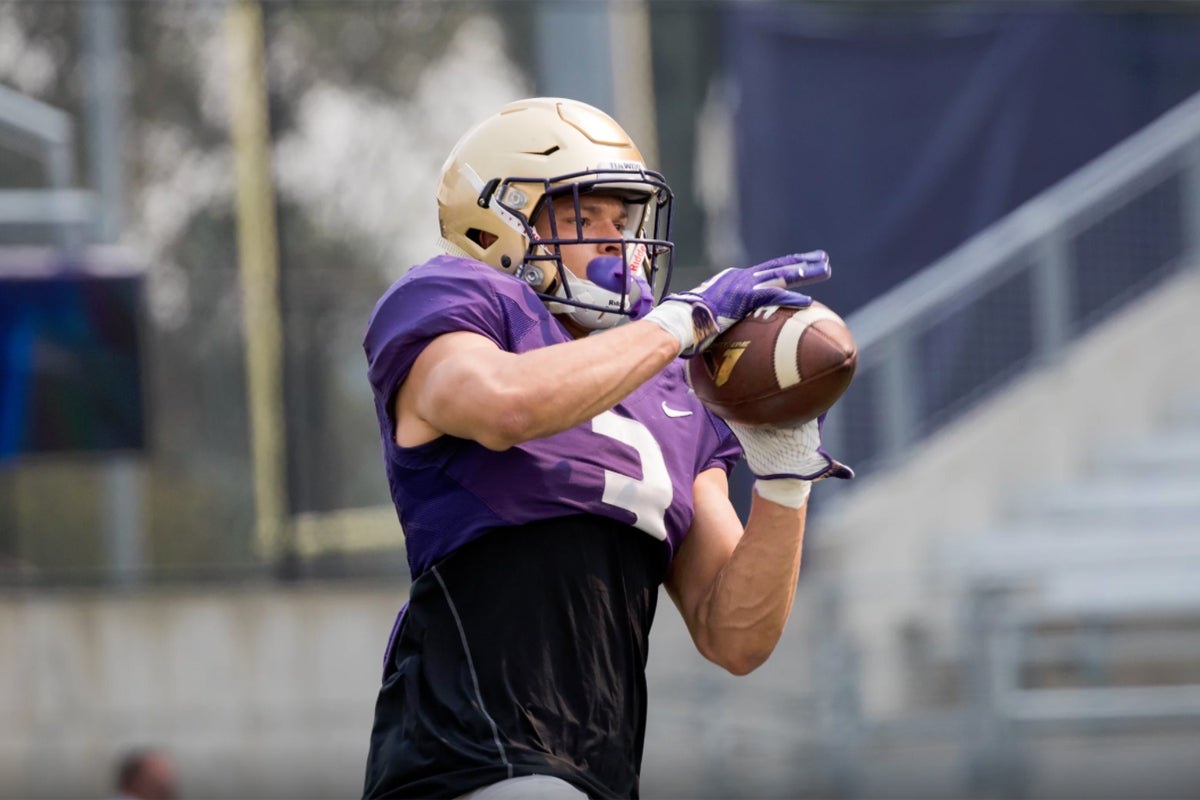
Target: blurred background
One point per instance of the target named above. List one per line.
(200, 203)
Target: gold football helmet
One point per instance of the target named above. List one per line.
(505, 172)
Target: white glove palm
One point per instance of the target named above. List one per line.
(785, 459)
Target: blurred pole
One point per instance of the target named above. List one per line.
(123, 488)
(896, 401)
(610, 67)
(258, 259)
(838, 717)
(574, 55)
(633, 75)
(1191, 203)
(1051, 297)
(105, 89)
(122, 503)
(695, 155)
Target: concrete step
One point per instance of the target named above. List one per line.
(1140, 504)
(1168, 590)
(1174, 453)
(1018, 528)
(1016, 551)
(1183, 414)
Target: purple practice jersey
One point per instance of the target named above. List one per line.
(634, 463)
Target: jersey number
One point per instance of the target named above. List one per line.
(648, 498)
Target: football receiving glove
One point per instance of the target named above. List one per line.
(698, 316)
(787, 459)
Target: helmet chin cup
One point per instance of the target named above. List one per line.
(593, 320)
(601, 297)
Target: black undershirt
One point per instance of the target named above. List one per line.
(523, 652)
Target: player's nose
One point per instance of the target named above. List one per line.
(612, 244)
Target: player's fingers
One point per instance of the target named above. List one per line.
(708, 283)
(812, 270)
(793, 274)
(792, 258)
(796, 268)
(771, 296)
(839, 470)
(776, 263)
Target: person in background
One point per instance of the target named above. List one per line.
(146, 774)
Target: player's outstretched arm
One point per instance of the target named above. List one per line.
(734, 587)
(462, 384)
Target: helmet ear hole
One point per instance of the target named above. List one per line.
(481, 237)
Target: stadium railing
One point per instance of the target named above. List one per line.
(1014, 295)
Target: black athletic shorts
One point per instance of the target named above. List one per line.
(522, 653)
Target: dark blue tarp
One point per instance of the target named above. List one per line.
(70, 365)
(888, 139)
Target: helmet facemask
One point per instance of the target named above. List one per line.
(619, 285)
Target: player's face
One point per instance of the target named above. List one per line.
(599, 217)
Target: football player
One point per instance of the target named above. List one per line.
(550, 469)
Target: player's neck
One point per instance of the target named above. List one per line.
(572, 327)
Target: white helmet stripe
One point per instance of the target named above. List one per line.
(505, 216)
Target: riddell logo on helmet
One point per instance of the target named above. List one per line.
(637, 258)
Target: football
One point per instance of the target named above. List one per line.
(777, 366)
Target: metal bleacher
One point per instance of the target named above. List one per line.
(1082, 610)
(1018, 293)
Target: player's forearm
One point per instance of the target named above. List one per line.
(749, 602)
(551, 389)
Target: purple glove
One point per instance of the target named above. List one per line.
(698, 316)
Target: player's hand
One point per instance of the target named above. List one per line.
(698, 316)
(786, 459)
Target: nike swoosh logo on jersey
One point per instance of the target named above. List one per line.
(671, 412)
